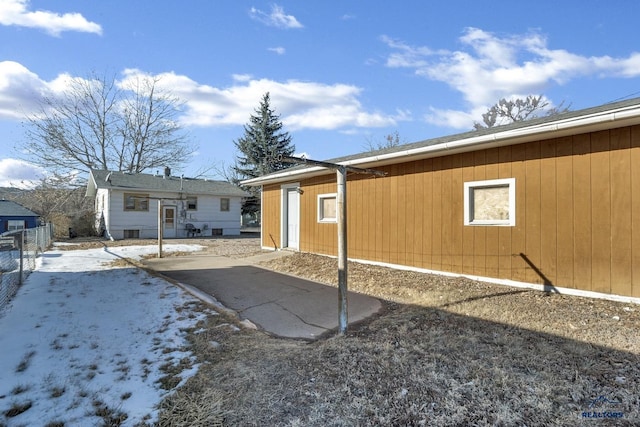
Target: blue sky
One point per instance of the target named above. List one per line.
(342, 74)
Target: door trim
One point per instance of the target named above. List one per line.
(172, 232)
(284, 215)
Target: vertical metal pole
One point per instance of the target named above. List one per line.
(160, 228)
(341, 216)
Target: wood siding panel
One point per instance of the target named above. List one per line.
(355, 238)
(457, 213)
(548, 212)
(427, 215)
(436, 226)
(392, 223)
(532, 207)
(417, 219)
(565, 213)
(620, 160)
(409, 214)
(401, 214)
(492, 246)
(377, 228)
(479, 232)
(635, 211)
(518, 237)
(271, 216)
(600, 213)
(386, 219)
(447, 212)
(468, 232)
(582, 211)
(504, 233)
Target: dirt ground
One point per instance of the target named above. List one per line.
(444, 351)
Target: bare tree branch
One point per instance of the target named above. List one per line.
(517, 110)
(96, 124)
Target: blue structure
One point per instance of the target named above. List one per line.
(14, 216)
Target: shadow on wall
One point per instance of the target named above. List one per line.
(549, 287)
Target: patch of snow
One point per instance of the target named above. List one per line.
(80, 331)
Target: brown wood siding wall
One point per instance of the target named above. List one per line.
(577, 214)
(271, 206)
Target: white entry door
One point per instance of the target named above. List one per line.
(292, 221)
(169, 222)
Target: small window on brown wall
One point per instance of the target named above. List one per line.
(327, 208)
(224, 205)
(490, 202)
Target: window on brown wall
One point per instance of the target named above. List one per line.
(327, 208)
(136, 202)
(490, 202)
(224, 204)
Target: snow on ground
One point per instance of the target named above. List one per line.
(82, 337)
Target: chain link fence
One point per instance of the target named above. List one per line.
(18, 253)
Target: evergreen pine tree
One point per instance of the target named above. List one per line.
(260, 147)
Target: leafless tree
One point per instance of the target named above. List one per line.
(516, 110)
(99, 124)
(60, 203)
(390, 140)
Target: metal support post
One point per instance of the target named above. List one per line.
(341, 214)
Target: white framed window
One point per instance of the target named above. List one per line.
(136, 202)
(327, 207)
(490, 202)
(225, 204)
(15, 224)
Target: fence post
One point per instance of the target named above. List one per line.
(21, 247)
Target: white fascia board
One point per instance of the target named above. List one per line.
(598, 121)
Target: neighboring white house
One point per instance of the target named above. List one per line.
(127, 205)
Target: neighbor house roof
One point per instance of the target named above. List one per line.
(9, 208)
(608, 116)
(100, 179)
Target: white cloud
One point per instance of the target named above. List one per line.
(19, 174)
(277, 18)
(454, 118)
(489, 67)
(16, 12)
(301, 105)
(242, 77)
(20, 90)
(279, 50)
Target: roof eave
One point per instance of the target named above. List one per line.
(626, 116)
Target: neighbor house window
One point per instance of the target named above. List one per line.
(224, 204)
(14, 224)
(192, 203)
(327, 208)
(136, 202)
(131, 234)
(491, 202)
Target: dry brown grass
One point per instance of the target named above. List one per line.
(444, 351)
